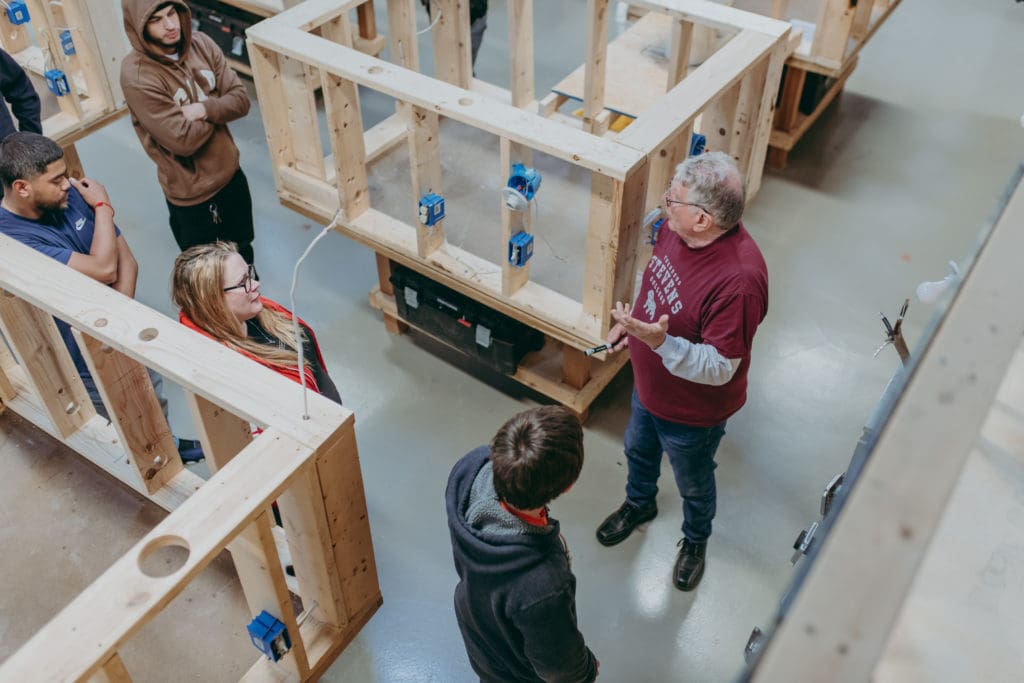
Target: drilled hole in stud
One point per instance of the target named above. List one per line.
(71, 408)
(148, 334)
(163, 556)
(375, 69)
(100, 322)
(465, 101)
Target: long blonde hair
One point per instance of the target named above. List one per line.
(197, 288)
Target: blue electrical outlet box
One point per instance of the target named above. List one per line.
(57, 82)
(524, 180)
(520, 248)
(66, 43)
(655, 227)
(431, 209)
(17, 12)
(269, 636)
(697, 144)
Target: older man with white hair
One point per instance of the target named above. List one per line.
(690, 331)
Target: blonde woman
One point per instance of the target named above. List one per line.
(219, 296)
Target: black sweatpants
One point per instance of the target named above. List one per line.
(226, 216)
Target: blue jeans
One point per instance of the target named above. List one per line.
(691, 452)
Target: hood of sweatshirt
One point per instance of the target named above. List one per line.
(486, 538)
(137, 13)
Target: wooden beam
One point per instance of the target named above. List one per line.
(127, 392)
(616, 214)
(713, 14)
(747, 119)
(602, 229)
(722, 71)
(339, 30)
(520, 41)
(402, 34)
(40, 350)
(679, 52)
(259, 569)
(425, 165)
(300, 104)
(250, 391)
(391, 322)
(7, 363)
(307, 529)
(719, 120)
(575, 368)
(344, 503)
(594, 71)
(345, 129)
(840, 620)
(101, 83)
(480, 112)
(270, 92)
(112, 671)
(513, 277)
(832, 31)
(115, 606)
(367, 20)
(222, 434)
(766, 114)
(310, 14)
(14, 37)
(663, 162)
(453, 54)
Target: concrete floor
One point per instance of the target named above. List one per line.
(893, 181)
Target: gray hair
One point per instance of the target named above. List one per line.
(714, 182)
(24, 156)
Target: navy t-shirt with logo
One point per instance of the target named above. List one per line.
(58, 234)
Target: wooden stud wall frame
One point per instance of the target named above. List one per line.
(94, 96)
(309, 466)
(843, 27)
(364, 34)
(628, 171)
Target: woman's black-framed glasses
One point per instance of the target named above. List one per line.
(247, 283)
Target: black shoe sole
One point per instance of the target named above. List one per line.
(609, 541)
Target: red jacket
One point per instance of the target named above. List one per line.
(291, 372)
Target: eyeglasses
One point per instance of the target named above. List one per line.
(670, 201)
(248, 283)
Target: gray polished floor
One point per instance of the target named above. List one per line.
(895, 180)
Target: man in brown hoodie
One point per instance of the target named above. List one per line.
(182, 94)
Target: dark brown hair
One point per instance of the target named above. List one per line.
(536, 456)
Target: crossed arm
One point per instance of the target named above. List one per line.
(109, 260)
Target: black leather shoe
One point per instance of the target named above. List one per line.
(689, 565)
(620, 524)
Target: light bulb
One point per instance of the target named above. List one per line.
(930, 292)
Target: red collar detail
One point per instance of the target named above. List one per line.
(539, 520)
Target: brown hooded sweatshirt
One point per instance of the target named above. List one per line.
(194, 159)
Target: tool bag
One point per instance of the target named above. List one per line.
(494, 338)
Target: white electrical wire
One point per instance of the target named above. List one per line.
(295, 312)
(438, 17)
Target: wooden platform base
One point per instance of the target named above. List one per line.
(790, 125)
(560, 372)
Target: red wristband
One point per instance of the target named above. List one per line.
(99, 204)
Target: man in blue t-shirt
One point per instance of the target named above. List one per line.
(71, 221)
